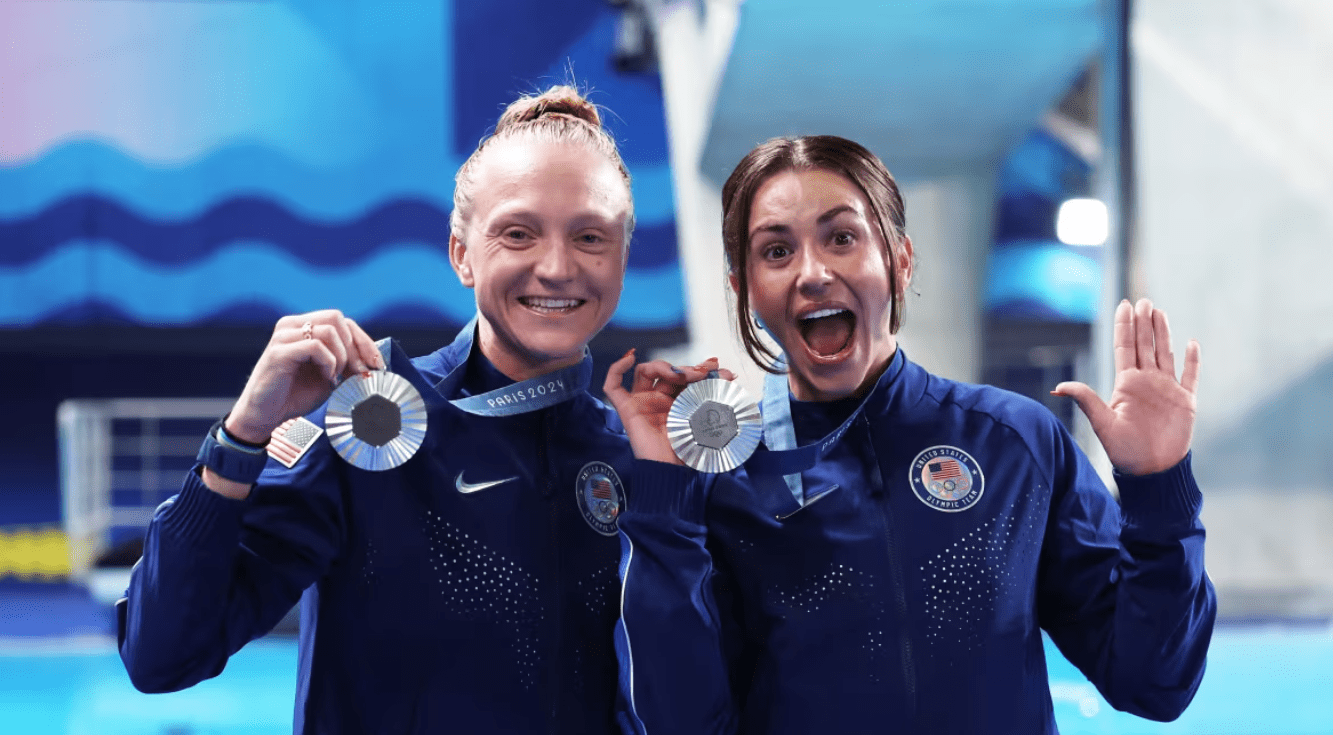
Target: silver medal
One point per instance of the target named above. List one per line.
(714, 425)
(376, 420)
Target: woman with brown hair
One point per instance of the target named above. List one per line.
(899, 578)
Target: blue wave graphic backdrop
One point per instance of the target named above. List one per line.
(317, 243)
(397, 279)
(96, 168)
(93, 232)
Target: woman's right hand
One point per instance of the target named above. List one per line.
(304, 360)
(644, 407)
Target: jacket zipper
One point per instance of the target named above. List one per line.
(906, 655)
(553, 508)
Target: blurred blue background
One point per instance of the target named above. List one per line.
(176, 175)
(318, 173)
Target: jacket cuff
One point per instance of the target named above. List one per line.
(1169, 495)
(667, 489)
(200, 517)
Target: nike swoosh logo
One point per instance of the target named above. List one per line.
(468, 487)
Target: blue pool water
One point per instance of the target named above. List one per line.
(84, 691)
(1259, 682)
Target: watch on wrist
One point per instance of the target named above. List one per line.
(229, 459)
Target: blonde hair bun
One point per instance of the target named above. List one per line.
(560, 115)
(562, 100)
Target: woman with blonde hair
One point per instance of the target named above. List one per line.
(474, 587)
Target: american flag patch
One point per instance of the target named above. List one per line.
(945, 469)
(601, 488)
(290, 441)
(946, 478)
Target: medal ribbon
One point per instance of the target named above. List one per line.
(779, 454)
(525, 396)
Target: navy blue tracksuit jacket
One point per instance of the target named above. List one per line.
(426, 608)
(908, 591)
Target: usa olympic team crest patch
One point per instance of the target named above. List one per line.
(946, 478)
(601, 496)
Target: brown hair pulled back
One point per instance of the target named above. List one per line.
(560, 115)
(829, 153)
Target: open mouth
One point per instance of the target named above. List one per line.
(547, 305)
(828, 332)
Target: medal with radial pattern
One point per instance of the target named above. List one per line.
(376, 420)
(714, 425)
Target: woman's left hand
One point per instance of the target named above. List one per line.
(644, 407)
(1149, 423)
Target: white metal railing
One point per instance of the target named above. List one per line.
(153, 436)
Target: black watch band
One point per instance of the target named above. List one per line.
(229, 459)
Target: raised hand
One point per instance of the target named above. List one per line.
(644, 407)
(304, 359)
(1149, 423)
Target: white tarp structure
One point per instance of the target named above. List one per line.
(1235, 189)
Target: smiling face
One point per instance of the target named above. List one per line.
(818, 274)
(544, 249)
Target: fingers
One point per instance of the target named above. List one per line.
(1145, 356)
(324, 316)
(346, 330)
(1142, 337)
(707, 366)
(657, 375)
(1165, 359)
(364, 348)
(357, 352)
(323, 349)
(1189, 376)
(317, 344)
(1092, 405)
(329, 361)
(328, 335)
(695, 373)
(326, 339)
(614, 385)
(664, 377)
(344, 334)
(1125, 358)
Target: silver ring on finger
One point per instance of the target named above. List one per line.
(308, 331)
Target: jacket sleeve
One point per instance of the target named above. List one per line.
(671, 640)
(1123, 591)
(217, 573)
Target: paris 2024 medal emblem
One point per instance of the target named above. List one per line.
(714, 425)
(376, 420)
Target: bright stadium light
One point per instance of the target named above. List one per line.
(1082, 222)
